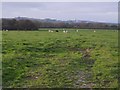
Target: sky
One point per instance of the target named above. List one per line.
(92, 11)
(60, 0)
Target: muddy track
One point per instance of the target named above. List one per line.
(84, 77)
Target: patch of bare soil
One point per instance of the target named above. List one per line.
(84, 78)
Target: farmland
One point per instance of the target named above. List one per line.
(83, 59)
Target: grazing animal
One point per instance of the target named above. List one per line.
(50, 31)
(57, 31)
(76, 30)
(65, 31)
(94, 31)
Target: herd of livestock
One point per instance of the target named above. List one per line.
(64, 31)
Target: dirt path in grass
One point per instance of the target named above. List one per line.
(84, 78)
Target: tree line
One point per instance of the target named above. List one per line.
(13, 24)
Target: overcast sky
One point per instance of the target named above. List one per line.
(93, 11)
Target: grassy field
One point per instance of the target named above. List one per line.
(83, 59)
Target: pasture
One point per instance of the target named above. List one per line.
(42, 59)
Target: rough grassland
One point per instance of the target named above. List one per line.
(83, 59)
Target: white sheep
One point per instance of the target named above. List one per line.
(76, 30)
(94, 31)
(50, 31)
(65, 31)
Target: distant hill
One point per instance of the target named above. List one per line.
(58, 21)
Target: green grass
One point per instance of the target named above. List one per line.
(42, 59)
(0, 58)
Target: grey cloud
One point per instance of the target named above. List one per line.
(97, 11)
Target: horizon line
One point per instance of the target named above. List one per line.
(60, 19)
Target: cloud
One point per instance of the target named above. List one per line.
(104, 11)
(60, 0)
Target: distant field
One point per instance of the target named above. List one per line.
(83, 59)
